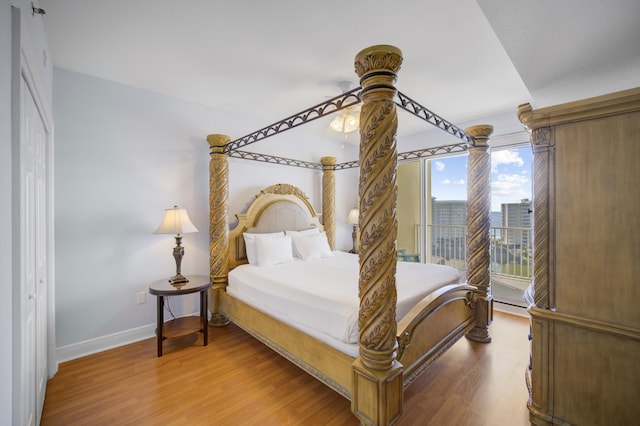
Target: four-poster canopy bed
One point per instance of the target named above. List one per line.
(390, 352)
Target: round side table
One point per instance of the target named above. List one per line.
(183, 326)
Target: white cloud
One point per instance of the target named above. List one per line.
(439, 166)
(508, 156)
(509, 188)
(515, 186)
(455, 182)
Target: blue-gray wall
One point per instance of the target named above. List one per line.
(123, 155)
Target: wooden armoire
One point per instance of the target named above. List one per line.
(585, 318)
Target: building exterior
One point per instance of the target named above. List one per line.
(451, 212)
(449, 219)
(516, 215)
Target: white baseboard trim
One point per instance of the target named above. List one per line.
(99, 344)
(511, 309)
(110, 341)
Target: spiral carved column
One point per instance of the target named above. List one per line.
(478, 229)
(218, 219)
(543, 217)
(329, 199)
(377, 373)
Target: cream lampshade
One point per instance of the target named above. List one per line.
(176, 221)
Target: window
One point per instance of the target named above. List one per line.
(432, 217)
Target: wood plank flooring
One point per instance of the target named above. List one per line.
(236, 380)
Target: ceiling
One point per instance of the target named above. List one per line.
(265, 60)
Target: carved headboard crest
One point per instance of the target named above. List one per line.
(284, 189)
(278, 207)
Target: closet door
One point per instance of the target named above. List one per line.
(27, 257)
(41, 260)
(32, 317)
(34, 258)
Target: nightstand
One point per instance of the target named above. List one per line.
(183, 326)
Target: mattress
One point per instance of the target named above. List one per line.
(322, 294)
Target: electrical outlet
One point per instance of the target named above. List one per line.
(142, 297)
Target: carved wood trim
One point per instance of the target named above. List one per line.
(218, 222)
(377, 393)
(377, 193)
(587, 109)
(543, 144)
(329, 199)
(218, 208)
(608, 328)
(478, 224)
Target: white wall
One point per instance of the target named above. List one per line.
(123, 155)
(6, 259)
(9, 278)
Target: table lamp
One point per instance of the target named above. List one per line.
(352, 219)
(176, 221)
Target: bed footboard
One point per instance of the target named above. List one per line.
(432, 326)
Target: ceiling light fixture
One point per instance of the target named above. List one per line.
(348, 119)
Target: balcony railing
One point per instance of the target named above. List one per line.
(511, 252)
(448, 245)
(511, 249)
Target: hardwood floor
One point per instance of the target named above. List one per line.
(236, 380)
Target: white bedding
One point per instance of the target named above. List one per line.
(322, 294)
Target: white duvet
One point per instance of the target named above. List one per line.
(322, 294)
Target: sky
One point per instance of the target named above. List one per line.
(510, 177)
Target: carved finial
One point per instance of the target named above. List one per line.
(379, 57)
(480, 133)
(217, 142)
(328, 162)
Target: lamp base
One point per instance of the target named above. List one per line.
(356, 240)
(178, 278)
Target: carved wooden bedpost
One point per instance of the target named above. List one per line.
(219, 227)
(329, 199)
(478, 229)
(377, 375)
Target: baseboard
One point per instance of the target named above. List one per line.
(110, 341)
(510, 309)
(103, 343)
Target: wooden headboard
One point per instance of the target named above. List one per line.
(279, 207)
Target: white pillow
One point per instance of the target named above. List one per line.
(312, 246)
(293, 234)
(274, 250)
(250, 244)
(309, 231)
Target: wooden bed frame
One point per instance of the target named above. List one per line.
(391, 355)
